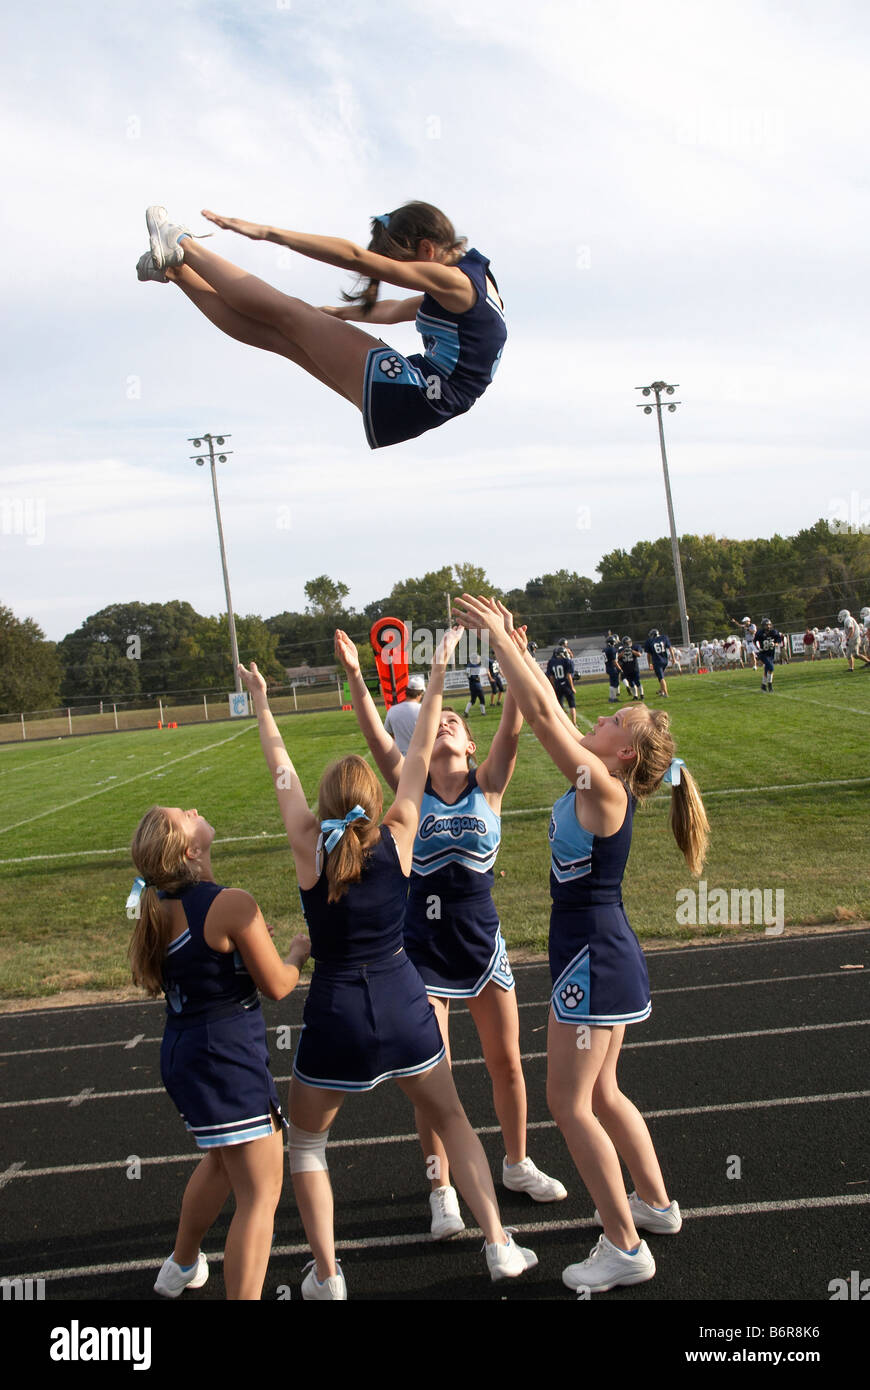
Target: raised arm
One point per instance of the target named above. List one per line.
(497, 768)
(302, 827)
(577, 763)
(383, 748)
(404, 814)
(450, 286)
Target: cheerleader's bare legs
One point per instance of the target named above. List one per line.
(337, 350)
(253, 1172)
(495, 1016)
(600, 1125)
(240, 326)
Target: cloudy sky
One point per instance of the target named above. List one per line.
(675, 191)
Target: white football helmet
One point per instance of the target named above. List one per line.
(843, 615)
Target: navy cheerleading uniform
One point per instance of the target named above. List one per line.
(367, 1017)
(452, 931)
(213, 1058)
(405, 396)
(597, 966)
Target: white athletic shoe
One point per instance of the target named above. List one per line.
(525, 1177)
(166, 249)
(508, 1261)
(173, 1280)
(334, 1288)
(664, 1221)
(446, 1217)
(147, 270)
(608, 1266)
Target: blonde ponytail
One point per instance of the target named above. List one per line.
(158, 853)
(654, 744)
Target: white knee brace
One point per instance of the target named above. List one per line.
(307, 1151)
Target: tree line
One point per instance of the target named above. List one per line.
(139, 650)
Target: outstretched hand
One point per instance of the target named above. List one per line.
(446, 646)
(255, 230)
(346, 652)
(479, 613)
(252, 680)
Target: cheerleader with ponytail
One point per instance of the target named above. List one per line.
(367, 1018)
(600, 981)
(209, 951)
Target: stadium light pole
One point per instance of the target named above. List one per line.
(658, 387)
(219, 440)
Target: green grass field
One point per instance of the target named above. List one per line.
(785, 776)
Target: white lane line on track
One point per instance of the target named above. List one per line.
(424, 1238)
(19, 1170)
(474, 1061)
(663, 799)
(137, 777)
(127, 1044)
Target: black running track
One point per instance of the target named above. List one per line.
(752, 1073)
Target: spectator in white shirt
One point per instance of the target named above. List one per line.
(402, 718)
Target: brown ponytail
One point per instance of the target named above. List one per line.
(158, 853)
(399, 239)
(348, 783)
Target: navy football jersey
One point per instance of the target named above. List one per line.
(657, 646)
(768, 639)
(560, 668)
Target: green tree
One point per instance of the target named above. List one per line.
(29, 666)
(325, 596)
(553, 605)
(255, 643)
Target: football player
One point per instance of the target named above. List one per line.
(611, 665)
(627, 657)
(766, 642)
(852, 638)
(560, 671)
(657, 647)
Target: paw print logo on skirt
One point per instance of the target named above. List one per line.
(570, 996)
(504, 964)
(390, 366)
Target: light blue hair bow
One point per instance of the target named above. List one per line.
(384, 220)
(332, 831)
(673, 776)
(132, 904)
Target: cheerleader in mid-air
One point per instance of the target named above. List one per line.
(457, 310)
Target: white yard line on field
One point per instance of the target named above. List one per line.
(521, 811)
(127, 780)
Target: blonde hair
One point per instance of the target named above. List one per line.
(655, 747)
(349, 782)
(158, 852)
